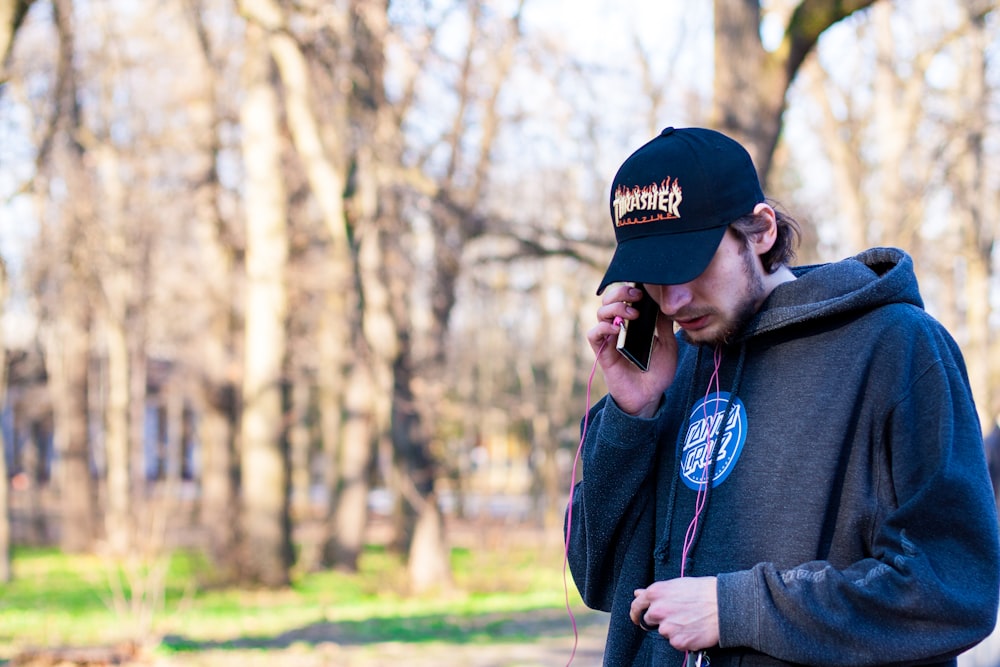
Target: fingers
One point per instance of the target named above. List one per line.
(637, 612)
(647, 626)
(684, 611)
(612, 313)
(617, 303)
(615, 309)
(638, 607)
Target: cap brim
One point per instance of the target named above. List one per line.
(666, 259)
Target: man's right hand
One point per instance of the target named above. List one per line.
(636, 392)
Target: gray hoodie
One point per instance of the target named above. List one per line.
(850, 519)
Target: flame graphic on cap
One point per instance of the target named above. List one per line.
(647, 204)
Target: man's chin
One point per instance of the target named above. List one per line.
(711, 335)
(707, 336)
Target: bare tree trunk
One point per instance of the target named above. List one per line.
(417, 394)
(351, 513)
(455, 221)
(299, 445)
(219, 514)
(748, 95)
(67, 339)
(429, 563)
(115, 284)
(12, 14)
(218, 347)
(320, 140)
(264, 461)
(68, 352)
(330, 386)
(6, 573)
(138, 377)
(374, 208)
(368, 393)
(117, 515)
(750, 83)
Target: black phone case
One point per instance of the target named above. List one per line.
(637, 342)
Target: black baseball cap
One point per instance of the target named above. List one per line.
(671, 202)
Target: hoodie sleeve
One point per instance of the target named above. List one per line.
(930, 587)
(611, 502)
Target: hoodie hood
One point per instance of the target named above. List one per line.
(876, 277)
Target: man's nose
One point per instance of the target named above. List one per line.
(673, 298)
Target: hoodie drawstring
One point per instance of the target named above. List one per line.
(663, 549)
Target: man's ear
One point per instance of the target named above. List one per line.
(763, 241)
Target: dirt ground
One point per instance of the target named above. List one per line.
(546, 652)
(316, 647)
(549, 643)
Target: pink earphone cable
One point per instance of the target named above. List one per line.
(569, 505)
(702, 495)
(700, 498)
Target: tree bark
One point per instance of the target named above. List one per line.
(350, 517)
(6, 573)
(750, 83)
(68, 351)
(320, 141)
(117, 517)
(115, 284)
(67, 341)
(374, 212)
(264, 461)
(429, 562)
(12, 15)
(299, 445)
(329, 397)
(214, 357)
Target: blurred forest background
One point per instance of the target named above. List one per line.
(287, 277)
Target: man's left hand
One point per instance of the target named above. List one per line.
(686, 611)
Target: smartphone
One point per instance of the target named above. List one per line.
(635, 338)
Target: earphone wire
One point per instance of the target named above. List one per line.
(569, 504)
(701, 497)
(702, 494)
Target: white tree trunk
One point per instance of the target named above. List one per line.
(263, 461)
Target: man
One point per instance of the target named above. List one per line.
(799, 477)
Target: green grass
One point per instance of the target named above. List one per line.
(57, 600)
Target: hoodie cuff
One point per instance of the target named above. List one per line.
(739, 623)
(624, 431)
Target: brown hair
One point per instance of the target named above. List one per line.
(783, 250)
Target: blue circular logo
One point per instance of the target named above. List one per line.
(704, 422)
